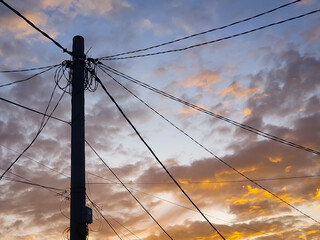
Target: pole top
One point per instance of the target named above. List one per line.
(78, 46)
(77, 37)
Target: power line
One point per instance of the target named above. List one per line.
(151, 151)
(218, 158)
(165, 200)
(129, 191)
(33, 110)
(201, 182)
(36, 28)
(28, 78)
(124, 227)
(98, 210)
(42, 125)
(33, 184)
(121, 226)
(26, 181)
(201, 33)
(200, 109)
(50, 168)
(213, 41)
(212, 182)
(45, 115)
(28, 69)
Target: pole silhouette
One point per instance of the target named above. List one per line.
(78, 225)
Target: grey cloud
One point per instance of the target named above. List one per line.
(286, 86)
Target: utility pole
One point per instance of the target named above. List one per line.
(80, 215)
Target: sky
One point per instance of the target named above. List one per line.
(267, 79)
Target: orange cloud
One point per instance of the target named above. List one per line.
(202, 79)
(317, 196)
(288, 168)
(20, 27)
(235, 90)
(275, 160)
(186, 110)
(147, 23)
(247, 111)
(312, 35)
(306, 2)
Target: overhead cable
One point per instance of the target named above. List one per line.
(33, 110)
(165, 200)
(215, 115)
(122, 226)
(213, 41)
(42, 125)
(98, 210)
(185, 182)
(128, 190)
(155, 156)
(28, 78)
(203, 147)
(26, 181)
(28, 69)
(227, 164)
(31, 159)
(35, 27)
(33, 184)
(201, 33)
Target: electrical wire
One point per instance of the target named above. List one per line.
(198, 143)
(28, 78)
(63, 72)
(213, 41)
(128, 190)
(201, 33)
(211, 182)
(33, 110)
(165, 200)
(65, 198)
(228, 165)
(115, 219)
(124, 227)
(33, 184)
(31, 159)
(45, 115)
(201, 182)
(215, 115)
(66, 233)
(29, 69)
(97, 209)
(152, 152)
(42, 125)
(26, 181)
(36, 28)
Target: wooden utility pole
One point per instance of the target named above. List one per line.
(78, 211)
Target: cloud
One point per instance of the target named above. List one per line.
(285, 85)
(280, 98)
(203, 79)
(19, 27)
(147, 23)
(307, 2)
(247, 111)
(312, 35)
(85, 8)
(235, 90)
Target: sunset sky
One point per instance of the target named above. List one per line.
(268, 79)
